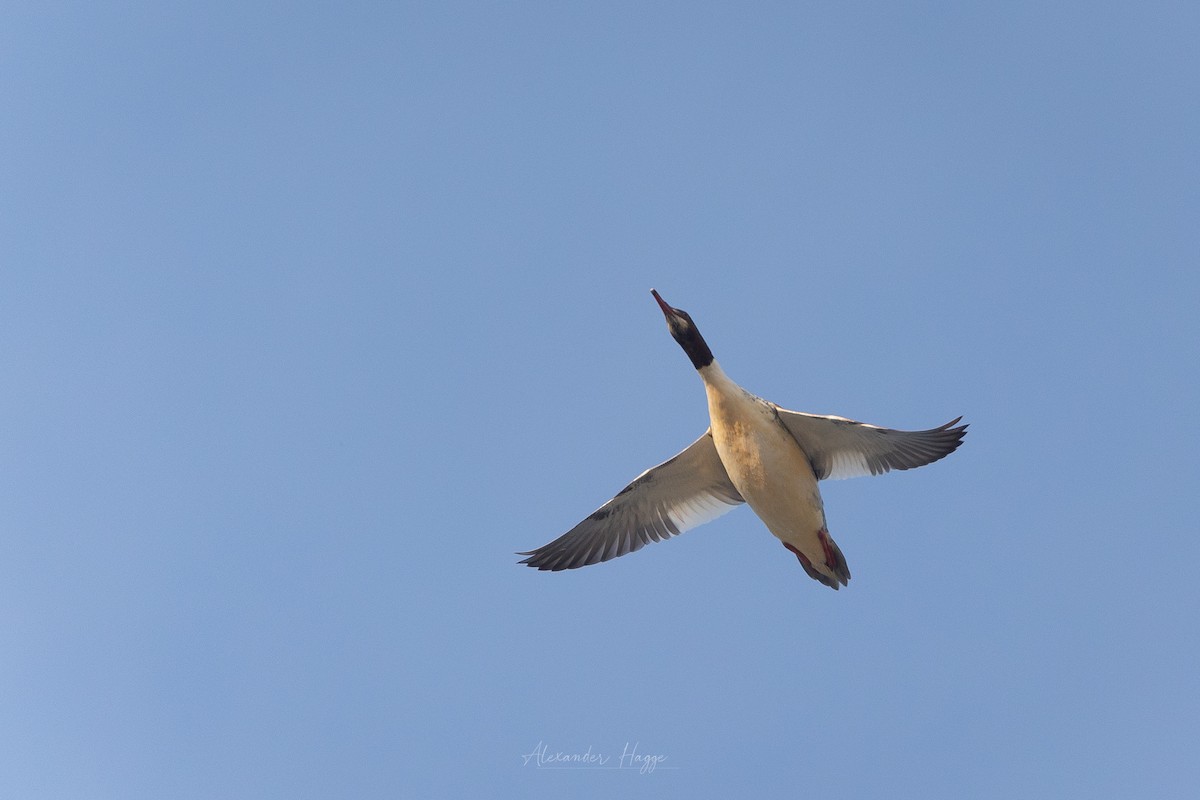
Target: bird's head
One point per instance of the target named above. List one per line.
(685, 332)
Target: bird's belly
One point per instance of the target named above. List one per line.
(771, 471)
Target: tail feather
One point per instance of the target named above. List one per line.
(833, 561)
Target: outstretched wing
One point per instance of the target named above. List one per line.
(842, 448)
(688, 490)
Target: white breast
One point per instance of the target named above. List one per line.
(763, 460)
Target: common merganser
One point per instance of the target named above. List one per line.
(753, 452)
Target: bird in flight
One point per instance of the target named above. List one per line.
(753, 452)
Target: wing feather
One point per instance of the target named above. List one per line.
(679, 494)
(842, 448)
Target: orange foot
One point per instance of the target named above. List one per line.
(808, 567)
(832, 554)
(803, 558)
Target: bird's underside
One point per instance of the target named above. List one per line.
(693, 488)
(753, 452)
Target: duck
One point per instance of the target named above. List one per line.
(753, 452)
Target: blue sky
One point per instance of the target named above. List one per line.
(312, 315)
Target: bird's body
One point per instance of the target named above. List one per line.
(769, 469)
(754, 452)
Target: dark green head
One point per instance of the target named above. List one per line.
(684, 331)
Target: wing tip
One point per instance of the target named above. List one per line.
(544, 562)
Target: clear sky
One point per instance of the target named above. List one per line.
(312, 315)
